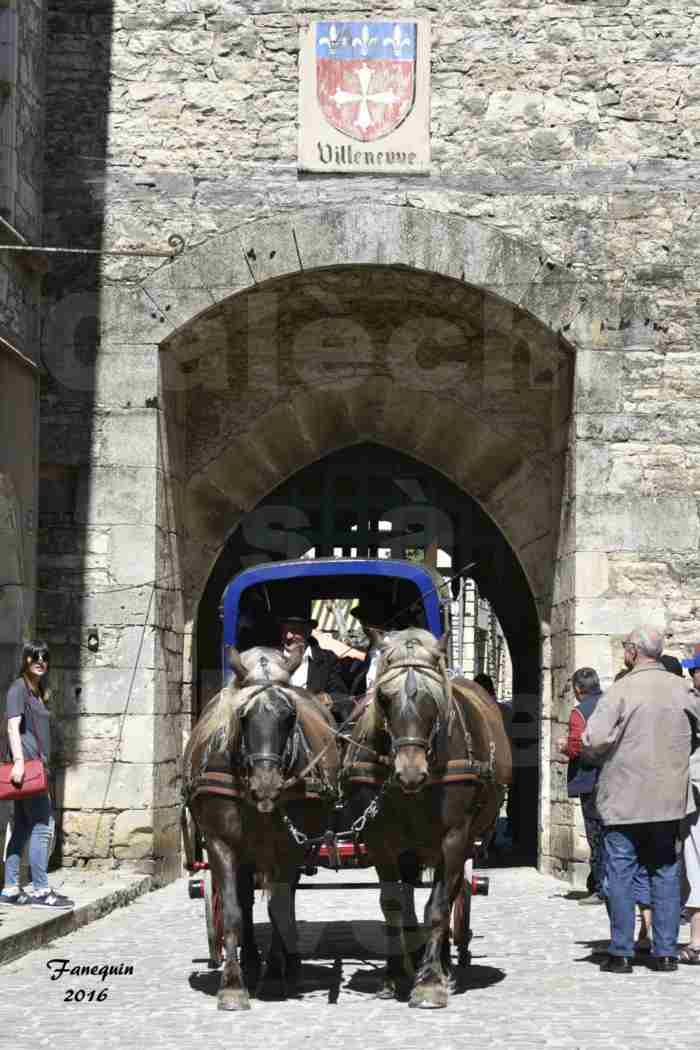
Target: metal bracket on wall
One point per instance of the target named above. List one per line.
(176, 242)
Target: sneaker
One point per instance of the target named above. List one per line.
(593, 898)
(50, 899)
(14, 898)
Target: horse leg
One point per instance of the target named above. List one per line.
(250, 956)
(233, 994)
(284, 961)
(391, 900)
(412, 934)
(431, 989)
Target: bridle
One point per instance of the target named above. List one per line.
(287, 758)
(392, 672)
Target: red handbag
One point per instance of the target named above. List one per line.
(35, 780)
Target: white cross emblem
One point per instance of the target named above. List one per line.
(342, 98)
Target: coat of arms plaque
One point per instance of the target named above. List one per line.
(364, 97)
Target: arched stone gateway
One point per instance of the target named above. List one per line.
(431, 335)
(288, 339)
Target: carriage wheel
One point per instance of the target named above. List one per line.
(215, 921)
(461, 923)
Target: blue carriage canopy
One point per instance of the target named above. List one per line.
(255, 598)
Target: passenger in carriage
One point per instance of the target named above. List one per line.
(373, 614)
(319, 671)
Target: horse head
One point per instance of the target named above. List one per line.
(267, 717)
(412, 693)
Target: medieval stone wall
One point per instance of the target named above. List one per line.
(569, 128)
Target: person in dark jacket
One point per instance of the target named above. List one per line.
(583, 775)
(319, 671)
(373, 614)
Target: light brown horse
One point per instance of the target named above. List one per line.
(442, 762)
(241, 770)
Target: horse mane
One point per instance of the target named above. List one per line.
(412, 645)
(219, 726)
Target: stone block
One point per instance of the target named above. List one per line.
(115, 606)
(132, 552)
(125, 376)
(585, 574)
(85, 833)
(637, 523)
(597, 651)
(149, 738)
(211, 515)
(127, 315)
(179, 291)
(133, 834)
(117, 495)
(617, 616)
(166, 822)
(118, 785)
(112, 690)
(269, 247)
(128, 439)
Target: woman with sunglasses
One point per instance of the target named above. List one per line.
(29, 737)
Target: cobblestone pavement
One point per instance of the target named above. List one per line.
(533, 981)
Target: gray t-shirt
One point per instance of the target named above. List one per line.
(35, 722)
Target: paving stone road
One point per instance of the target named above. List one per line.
(532, 983)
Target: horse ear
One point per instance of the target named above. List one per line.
(444, 642)
(236, 664)
(296, 655)
(377, 637)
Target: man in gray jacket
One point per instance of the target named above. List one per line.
(641, 729)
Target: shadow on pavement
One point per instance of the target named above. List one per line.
(598, 951)
(324, 948)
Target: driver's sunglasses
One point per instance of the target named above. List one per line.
(40, 656)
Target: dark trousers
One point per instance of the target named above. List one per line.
(651, 848)
(594, 833)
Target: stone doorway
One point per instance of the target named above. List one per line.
(329, 366)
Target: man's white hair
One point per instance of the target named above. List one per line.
(648, 640)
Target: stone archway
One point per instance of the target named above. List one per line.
(398, 336)
(437, 335)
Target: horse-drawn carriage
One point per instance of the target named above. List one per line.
(425, 750)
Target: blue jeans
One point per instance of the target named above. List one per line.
(651, 848)
(594, 833)
(32, 822)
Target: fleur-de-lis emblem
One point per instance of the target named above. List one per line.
(396, 42)
(364, 41)
(334, 40)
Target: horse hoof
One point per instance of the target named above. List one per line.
(230, 999)
(387, 990)
(429, 997)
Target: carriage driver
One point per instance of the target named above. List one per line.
(319, 670)
(373, 614)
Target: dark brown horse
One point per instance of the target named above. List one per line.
(241, 770)
(439, 770)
